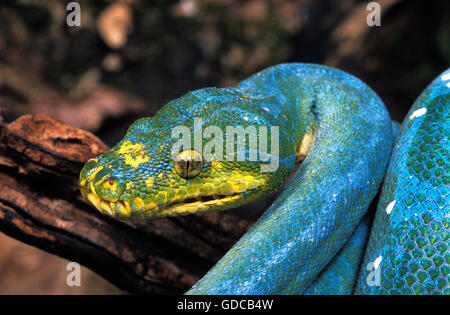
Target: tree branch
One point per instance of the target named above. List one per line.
(40, 204)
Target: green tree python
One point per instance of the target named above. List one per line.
(312, 239)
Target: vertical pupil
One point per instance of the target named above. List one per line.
(187, 165)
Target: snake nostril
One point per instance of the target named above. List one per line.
(110, 187)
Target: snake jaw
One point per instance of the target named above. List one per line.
(196, 205)
(126, 210)
(116, 209)
(136, 208)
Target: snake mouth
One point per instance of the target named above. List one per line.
(136, 208)
(199, 204)
(206, 197)
(121, 209)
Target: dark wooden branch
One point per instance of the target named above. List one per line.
(40, 204)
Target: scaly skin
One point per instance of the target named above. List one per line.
(317, 212)
(410, 237)
(339, 277)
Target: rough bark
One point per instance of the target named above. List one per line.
(40, 159)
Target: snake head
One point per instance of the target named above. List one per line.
(122, 187)
(142, 178)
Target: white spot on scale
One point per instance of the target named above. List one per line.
(417, 113)
(246, 118)
(445, 76)
(266, 109)
(377, 262)
(390, 206)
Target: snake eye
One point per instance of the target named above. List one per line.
(188, 163)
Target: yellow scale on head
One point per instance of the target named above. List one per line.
(149, 204)
(215, 165)
(128, 147)
(134, 161)
(129, 150)
(149, 182)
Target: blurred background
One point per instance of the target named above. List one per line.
(130, 57)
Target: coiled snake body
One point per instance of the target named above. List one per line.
(312, 238)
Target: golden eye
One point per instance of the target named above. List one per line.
(188, 163)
